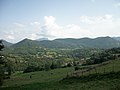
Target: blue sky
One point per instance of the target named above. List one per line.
(52, 19)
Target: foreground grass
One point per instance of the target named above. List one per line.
(37, 77)
(108, 81)
(113, 66)
(53, 79)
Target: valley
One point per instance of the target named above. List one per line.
(45, 64)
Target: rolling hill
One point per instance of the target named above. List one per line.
(100, 42)
(68, 43)
(6, 43)
(55, 79)
(117, 38)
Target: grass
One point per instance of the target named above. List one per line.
(113, 66)
(37, 77)
(55, 79)
(108, 81)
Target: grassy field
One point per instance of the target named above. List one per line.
(106, 78)
(112, 66)
(37, 77)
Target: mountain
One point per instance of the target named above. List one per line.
(106, 42)
(25, 47)
(100, 42)
(69, 43)
(116, 38)
(6, 44)
(31, 47)
(26, 43)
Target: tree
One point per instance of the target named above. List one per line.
(53, 65)
(76, 68)
(47, 66)
(1, 65)
(10, 67)
(29, 69)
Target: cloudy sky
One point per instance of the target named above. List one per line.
(52, 19)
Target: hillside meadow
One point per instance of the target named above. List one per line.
(56, 79)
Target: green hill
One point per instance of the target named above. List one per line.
(100, 42)
(6, 44)
(53, 79)
(70, 43)
(117, 38)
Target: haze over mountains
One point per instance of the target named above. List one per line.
(70, 43)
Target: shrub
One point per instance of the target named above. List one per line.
(69, 65)
(30, 69)
(76, 68)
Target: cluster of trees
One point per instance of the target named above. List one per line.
(46, 59)
(5, 66)
(2, 65)
(20, 59)
(49, 65)
(46, 65)
(106, 55)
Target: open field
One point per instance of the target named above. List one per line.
(37, 77)
(105, 67)
(108, 78)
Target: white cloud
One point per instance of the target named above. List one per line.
(10, 37)
(89, 26)
(101, 25)
(16, 32)
(19, 25)
(53, 30)
(74, 31)
(50, 29)
(33, 36)
(35, 23)
(95, 19)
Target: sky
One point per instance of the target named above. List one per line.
(34, 19)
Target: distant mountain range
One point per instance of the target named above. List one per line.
(117, 38)
(100, 42)
(70, 43)
(5, 43)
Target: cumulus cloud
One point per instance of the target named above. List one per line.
(10, 37)
(74, 31)
(50, 29)
(101, 25)
(89, 26)
(17, 31)
(33, 36)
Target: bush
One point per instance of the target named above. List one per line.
(31, 69)
(1, 81)
(76, 68)
(53, 66)
(69, 65)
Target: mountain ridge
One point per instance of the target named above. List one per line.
(70, 43)
(6, 43)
